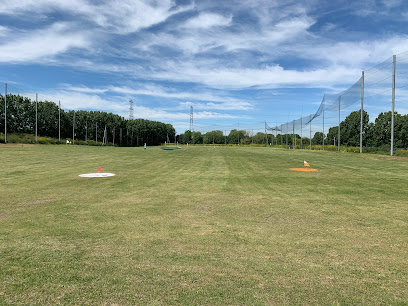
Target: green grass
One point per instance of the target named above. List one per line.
(199, 225)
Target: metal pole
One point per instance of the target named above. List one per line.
(301, 130)
(394, 58)
(36, 115)
(311, 135)
(5, 113)
(59, 121)
(86, 131)
(361, 111)
(120, 137)
(266, 136)
(293, 133)
(113, 136)
(286, 135)
(338, 138)
(238, 133)
(323, 128)
(96, 133)
(73, 129)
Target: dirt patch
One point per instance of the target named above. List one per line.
(3, 216)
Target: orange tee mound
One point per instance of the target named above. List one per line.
(303, 169)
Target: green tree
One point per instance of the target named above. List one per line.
(317, 138)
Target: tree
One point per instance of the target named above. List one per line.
(332, 136)
(197, 138)
(235, 136)
(317, 138)
(350, 129)
(214, 136)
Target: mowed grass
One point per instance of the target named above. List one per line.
(230, 225)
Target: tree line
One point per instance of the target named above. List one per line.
(375, 134)
(82, 125)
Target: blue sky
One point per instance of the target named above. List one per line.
(236, 62)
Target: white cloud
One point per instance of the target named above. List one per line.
(43, 43)
(208, 20)
(218, 106)
(216, 102)
(125, 16)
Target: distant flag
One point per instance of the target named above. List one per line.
(99, 169)
(306, 164)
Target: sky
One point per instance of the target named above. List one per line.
(238, 63)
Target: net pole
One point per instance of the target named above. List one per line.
(96, 132)
(5, 113)
(73, 130)
(338, 138)
(266, 136)
(301, 130)
(36, 116)
(286, 135)
(361, 112)
(59, 121)
(86, 131)
(293, 133)
(310, 129)
(394, 57)
(323, 129)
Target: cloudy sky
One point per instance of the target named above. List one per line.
(237, 62)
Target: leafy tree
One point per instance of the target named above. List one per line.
(235, 136)
(317, 138)
(332, 136)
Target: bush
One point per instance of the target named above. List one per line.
(401, 152)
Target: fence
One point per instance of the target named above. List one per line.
(346, 118)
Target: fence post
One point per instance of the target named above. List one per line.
(36, 115)
(361, 111)
(5, 113)
(338, 138)
(394, 57)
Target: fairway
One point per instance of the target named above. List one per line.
(230, 225)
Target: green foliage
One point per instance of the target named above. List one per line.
(317, 138)
(89, 125)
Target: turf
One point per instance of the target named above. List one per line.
(230, 225)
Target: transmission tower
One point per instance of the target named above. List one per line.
(191, 119)
(131, 109)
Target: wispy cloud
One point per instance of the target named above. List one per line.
(43, 44)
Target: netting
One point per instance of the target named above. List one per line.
(339, 114)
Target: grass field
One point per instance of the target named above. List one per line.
(230, 225)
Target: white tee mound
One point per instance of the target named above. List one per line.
(97, 175)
